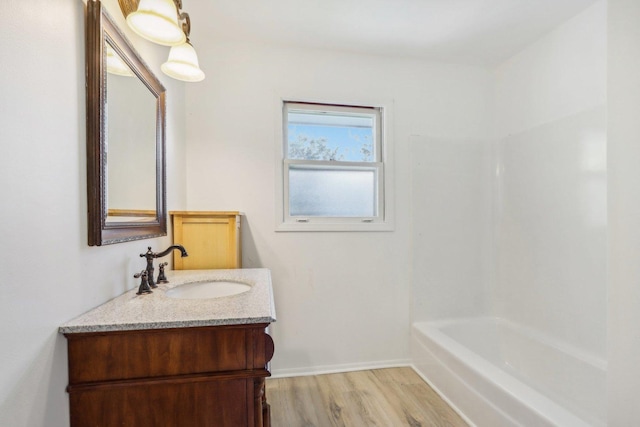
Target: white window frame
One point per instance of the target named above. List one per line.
(383, 221)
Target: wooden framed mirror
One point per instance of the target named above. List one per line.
(126, 115)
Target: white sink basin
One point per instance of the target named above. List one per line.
(203, 290)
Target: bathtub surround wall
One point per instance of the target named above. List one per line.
(515, 225)
(550, 208)
(551, 230)
(451, 216)
(48, 272)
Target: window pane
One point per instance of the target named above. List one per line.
(332, 192)
(314, 135)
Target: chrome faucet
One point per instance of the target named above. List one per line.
(150, 256)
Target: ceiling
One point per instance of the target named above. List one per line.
(481, 32)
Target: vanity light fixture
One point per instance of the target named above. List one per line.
(162, 22)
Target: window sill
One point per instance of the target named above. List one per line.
(325, 226)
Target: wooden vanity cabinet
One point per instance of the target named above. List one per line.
(211, 238)
(197, 377)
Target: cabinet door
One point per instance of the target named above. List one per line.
(212, 242)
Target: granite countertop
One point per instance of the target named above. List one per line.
(157, 311)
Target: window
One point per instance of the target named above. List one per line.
(333, 167)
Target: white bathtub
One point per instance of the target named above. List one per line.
(496, 373)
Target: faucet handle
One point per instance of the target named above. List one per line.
(162, 278)
(144, 283)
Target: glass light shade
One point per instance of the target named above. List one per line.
(157, 21)
(115, 64)
(183, 64)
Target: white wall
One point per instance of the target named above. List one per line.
(342, 299)
(48, 273)
(624, 207)
(550, 206)
(562, 74)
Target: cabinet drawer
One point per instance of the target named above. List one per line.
(214, 403)
(157, 353)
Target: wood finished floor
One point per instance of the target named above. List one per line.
(391, 397)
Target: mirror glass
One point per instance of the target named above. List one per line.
(130, 143)
(125, 137)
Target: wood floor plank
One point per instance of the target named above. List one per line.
(384, 397)
(335, 389)
(413, 414)
(414, 400)
(376, 398)
(436, 409)
(280, 398)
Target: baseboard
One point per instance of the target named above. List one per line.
(334, 369)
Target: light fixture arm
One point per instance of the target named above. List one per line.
(128, 6)
(186, 23)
